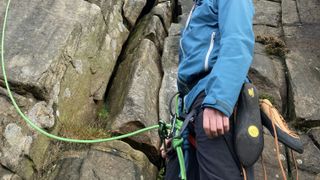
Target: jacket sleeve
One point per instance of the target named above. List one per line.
(235, 56)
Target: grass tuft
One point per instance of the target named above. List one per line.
(93, 129)
(273, 45)
(267, 96)
(84, 130)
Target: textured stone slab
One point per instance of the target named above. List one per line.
(16, 142)
(114, 160)
(63, 53)
(304, 71)
(112, 43)
(267, 13)
(308, 162)
(304, 175)
(31, 25)
(175, 29)
(132, 9)
(315, 134)
(289, 12)
(164, 11)
(309, 11)
(267, 74)
(270, 160)
(263, 30)
(133, 95)
(169, 62)
(7, 175)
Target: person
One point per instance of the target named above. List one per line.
(216, 51)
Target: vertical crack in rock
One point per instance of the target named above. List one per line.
(315, 142)
(125, 20)
(147, 8)
(298, 11)
(176, 10)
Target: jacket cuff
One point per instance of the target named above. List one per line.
(217, 104)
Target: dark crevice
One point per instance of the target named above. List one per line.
(288, 161)
(125, 22)
(6, 168)
(121, 57)
(95, 174)
(149, 151)
(28, 158)
(297, 9)
(22, 90)
(287, 103)
(147, 8)
(268, 25)
(96, 2)
(163, 24)
(123, 52)
(304, 124)
(141, 142)
(315, 142)
(176, 10)
(274, 1)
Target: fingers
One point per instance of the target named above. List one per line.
(163, 150)
(219, 124)
(206, 123)
(215, 123)
(226, 125)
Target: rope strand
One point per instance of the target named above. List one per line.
(276, 142)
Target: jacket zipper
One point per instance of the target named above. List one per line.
(206, 62)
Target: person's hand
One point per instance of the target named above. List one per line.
(162, 150)
(215, 123)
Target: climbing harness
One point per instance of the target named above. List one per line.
(163, 128)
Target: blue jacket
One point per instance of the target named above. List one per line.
(216, 50)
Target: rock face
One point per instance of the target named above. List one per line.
(67, 60)
(293, 77)
(169, 63)
(133, 95)
(267, 13)
(116, 160)
(301, 31)
(60, 58)
(270, 161)
(308, 162)
(268, 76)
(290, 82)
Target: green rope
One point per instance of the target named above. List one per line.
(43, 132)
(34, 126)
(181, 163)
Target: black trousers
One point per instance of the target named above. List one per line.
(212, 159)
